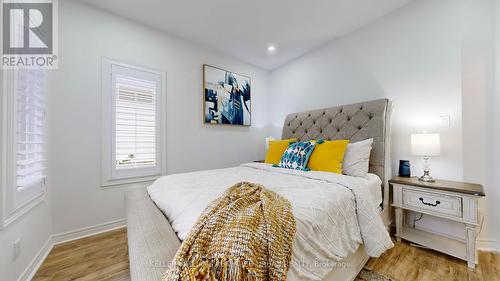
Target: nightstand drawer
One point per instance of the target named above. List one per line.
(438, 203)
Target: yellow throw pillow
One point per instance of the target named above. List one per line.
(328, 156)
(276, 150)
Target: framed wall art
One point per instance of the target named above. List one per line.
(227, 97)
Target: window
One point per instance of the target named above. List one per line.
(24, 130)
(132, 117)
(135, 122)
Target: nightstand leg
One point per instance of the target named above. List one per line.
(471, 245)
(399, 224)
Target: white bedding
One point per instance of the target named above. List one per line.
(374, 186)
(334, 213)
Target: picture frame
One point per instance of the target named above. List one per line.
(226, 97)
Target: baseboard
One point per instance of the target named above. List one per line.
(488, 245)
(87, 231)
(37, 261)
(60, 238)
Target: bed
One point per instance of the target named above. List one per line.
(153, 241)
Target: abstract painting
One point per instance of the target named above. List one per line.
(226, 97)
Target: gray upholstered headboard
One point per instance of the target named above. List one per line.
(354, 122)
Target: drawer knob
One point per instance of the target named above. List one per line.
(429, 204)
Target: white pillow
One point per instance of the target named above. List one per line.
(357, 158)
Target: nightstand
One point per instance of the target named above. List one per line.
(453, 201)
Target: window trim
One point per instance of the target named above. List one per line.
(109, 177)
(14, 204)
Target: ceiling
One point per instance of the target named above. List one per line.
(244, 29)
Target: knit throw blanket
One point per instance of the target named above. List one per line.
(246, 234)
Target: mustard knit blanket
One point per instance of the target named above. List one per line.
(246, 234)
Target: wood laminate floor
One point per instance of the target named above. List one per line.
(100, 257)
(406, 262)
(104, 257)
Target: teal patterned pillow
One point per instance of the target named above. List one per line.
(297, 155)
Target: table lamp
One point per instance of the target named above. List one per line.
(426, 145)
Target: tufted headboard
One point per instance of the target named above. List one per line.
(354, 122)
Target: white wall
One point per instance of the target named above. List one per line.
(34, 229)
(493, 190)
(87, 34)
(411, 56)
(481, 90)
(480, 110)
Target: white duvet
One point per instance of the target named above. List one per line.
(334, 213)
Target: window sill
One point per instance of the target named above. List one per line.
(21, 211)
(121, 182)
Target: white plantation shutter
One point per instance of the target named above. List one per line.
(134, 108)
(135, 122)
(25, 116)
(29, 92)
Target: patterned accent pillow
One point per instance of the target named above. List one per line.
(297, 155)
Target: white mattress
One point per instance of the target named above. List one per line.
(374, 184)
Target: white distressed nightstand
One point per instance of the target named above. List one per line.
(453, 201)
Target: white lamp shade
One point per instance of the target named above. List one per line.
(426, 144)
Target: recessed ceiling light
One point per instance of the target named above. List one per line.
(271, 49)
